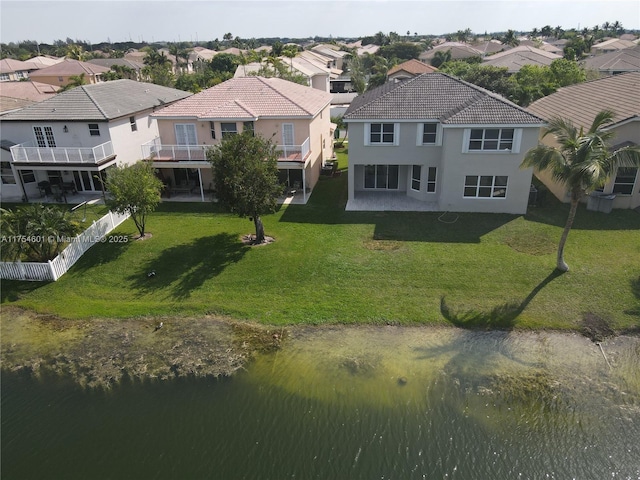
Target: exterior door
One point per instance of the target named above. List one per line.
(186, 134)
(288, 134)
(44, 137)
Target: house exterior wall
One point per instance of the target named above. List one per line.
(628, 132)
(320, 82)
(452, 166)
(126, 142)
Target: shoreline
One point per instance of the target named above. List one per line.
(101, 352)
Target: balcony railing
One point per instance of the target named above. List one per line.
(156, 151)
(293, 153)
(159, 152)
(28, 153)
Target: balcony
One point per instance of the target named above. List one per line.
(28, 153)
(293, 153)
(158, 152)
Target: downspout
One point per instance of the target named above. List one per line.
(304, 185)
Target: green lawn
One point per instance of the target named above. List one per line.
(329, 266)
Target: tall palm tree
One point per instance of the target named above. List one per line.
(582, 161)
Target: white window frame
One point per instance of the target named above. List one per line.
(132, 122)
(7, 176)
(212, 127)
(94, 132)
(416, 180)
(224, 132)
(375, 181)
(396, 134)
(515, 143)
(616, 183)
(188, 135)
(44, 136)
(420, 134)
(502, 189)
(431, 184)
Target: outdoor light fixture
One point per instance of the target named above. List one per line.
(65, 129)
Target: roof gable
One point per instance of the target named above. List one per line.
(70, 67)
(438, 96)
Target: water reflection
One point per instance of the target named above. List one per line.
(357, 403)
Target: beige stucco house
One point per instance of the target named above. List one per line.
(71, 139)
(437, 143)
(409, 69)
(580, 103)
(60, 74)
(295, 117)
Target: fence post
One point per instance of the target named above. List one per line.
(53, 271)
(113, 225)
(23, 275)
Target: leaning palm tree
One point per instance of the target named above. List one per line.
(582, 162)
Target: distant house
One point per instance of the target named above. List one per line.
(296, 117)
(612, 45)
(17, 95)
(134, 67)
(614, 63)
(458, 51)
(332, 52)
(435, 142)
(409, 69)
(514, 59)
(580, 103)
(60, 74)
(14, 70)
(71, 139)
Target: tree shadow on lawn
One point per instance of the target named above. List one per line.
(102, 253)
(500, 317)
(13, 290)
(185, 267)
(635, 288)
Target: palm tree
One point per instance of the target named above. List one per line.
(510, 38)
(582, 162)
(440, 58)
(75, 81)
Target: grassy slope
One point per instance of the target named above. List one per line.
(328, 265)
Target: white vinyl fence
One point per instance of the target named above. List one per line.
(54, 269)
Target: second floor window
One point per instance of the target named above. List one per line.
(382, 134)
(429, 133)
(6, 174)
(491, 139)
(132, 122)
(625, 180)
(94, 130)
(228, 129)
(212, 126)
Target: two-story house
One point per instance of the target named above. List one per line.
(437, 143)
(580, 103)
(71, 139)
(295, 117)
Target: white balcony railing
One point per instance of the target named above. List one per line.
(27, 153)
(154, 150)
(159, 152)
(293, 152)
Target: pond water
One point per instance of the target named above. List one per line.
(349, 403)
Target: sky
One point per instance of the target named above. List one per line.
(98, 21)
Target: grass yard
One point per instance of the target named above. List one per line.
(332, 266)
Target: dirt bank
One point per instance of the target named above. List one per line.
(99, 352)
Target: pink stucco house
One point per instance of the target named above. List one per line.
(295, 117)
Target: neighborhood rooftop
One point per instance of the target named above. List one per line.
(100, 101)
(581, 102)
(249, 98)
(438, 96)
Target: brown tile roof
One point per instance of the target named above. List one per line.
(438, 96)
(458, 50)
(413, 66)
(100, 102)
(70, 67)
(9, 65)
(627, 60)
(517, 57)
(246, 98)
(15, 94)
(581, 102)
